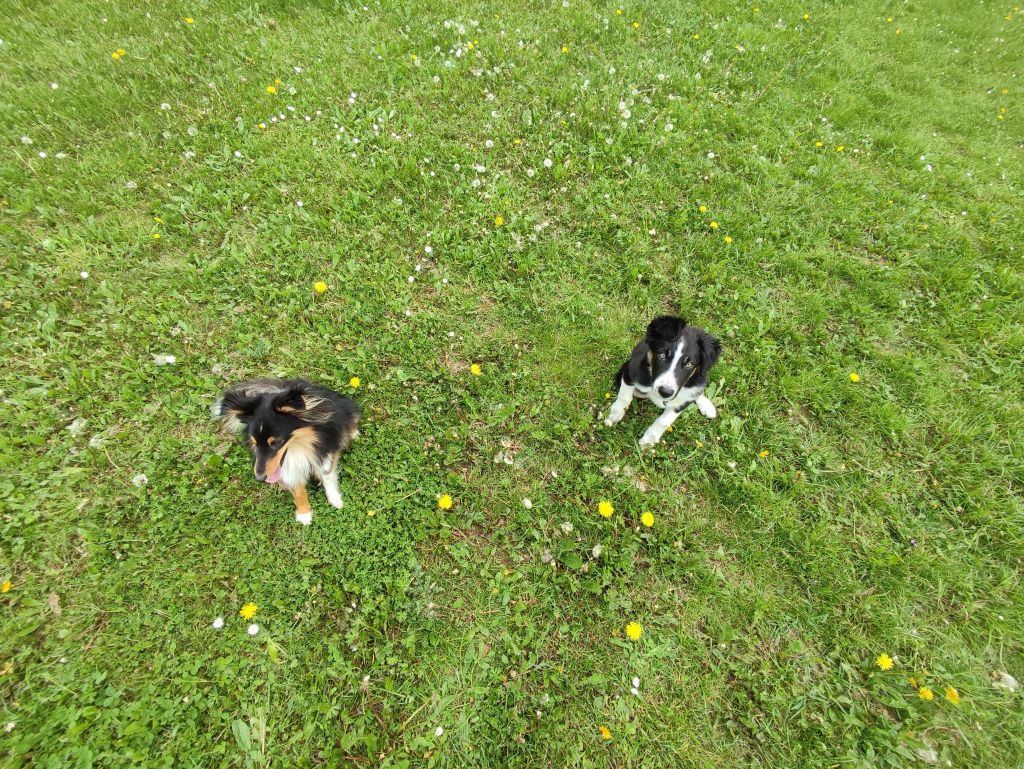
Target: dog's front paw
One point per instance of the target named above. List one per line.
(305, 519)
(614, 417)
(706, 407)
(649, 439)
(335, 501)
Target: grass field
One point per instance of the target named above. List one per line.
(833, 189)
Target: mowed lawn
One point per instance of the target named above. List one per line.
(833, 189)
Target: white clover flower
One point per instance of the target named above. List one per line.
(530, 172)
(165, 106)
(669, 127)
(428, 249)
(439, 731)
(164, 360)
(238, 153)
(83, 275)
(548, 162)
(527, 503)
(253, 629)
(43, 155)
(26, 140)
(596, 551)
(54, 86)
(636, 682)
(140, 480)
(77, 426)
(566, 526)
(218, 623)
(488, 144)
(95, 442)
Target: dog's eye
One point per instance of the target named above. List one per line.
(661, 355)
(272, 442)
(689, 364)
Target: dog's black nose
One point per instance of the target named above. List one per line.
(666, 392)
(259, 476)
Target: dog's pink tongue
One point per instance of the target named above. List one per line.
(275, 476)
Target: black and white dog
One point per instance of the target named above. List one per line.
(670, 367)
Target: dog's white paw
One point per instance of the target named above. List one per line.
(649, 439)
(304, 518)
(614, 417)
(335, 501)
(706, 407)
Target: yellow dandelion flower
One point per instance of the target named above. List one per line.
(565, 49)
(263, 125)
(470, 46)
(884, 661)
(713, 225)
(912, 681)
(696, 35)
(757, 9)
(499, 220)
(115, 56)
(354, 382)
(618, 11)
(647, 519)
(605, 509)
(189, 20)
(277, 81)
(702, 209)
(413, 56)
(807, 16)
(248, 611)
(320, 287)
(475, 369)
(606, 733)
(445, 502)
(840, 148)
(763, 454)
(890, 19)
(854, 376)
(636, 25)
(727, 239)
(271, 89)
(952, 695)
(899, 31)
(370, 513)
(517, 142)
(6, 586)
(1005, 91)
(156, 236)
(121, 52)
(634, 631)
(819, 144)
(926, 694)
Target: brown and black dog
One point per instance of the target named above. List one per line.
(294, 429)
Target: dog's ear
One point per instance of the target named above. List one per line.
(290, 401)
(235, 407)
(665, 327)
(710, 350)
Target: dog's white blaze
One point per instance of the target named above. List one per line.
(668, 379)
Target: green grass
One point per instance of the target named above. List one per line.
(887, 515)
